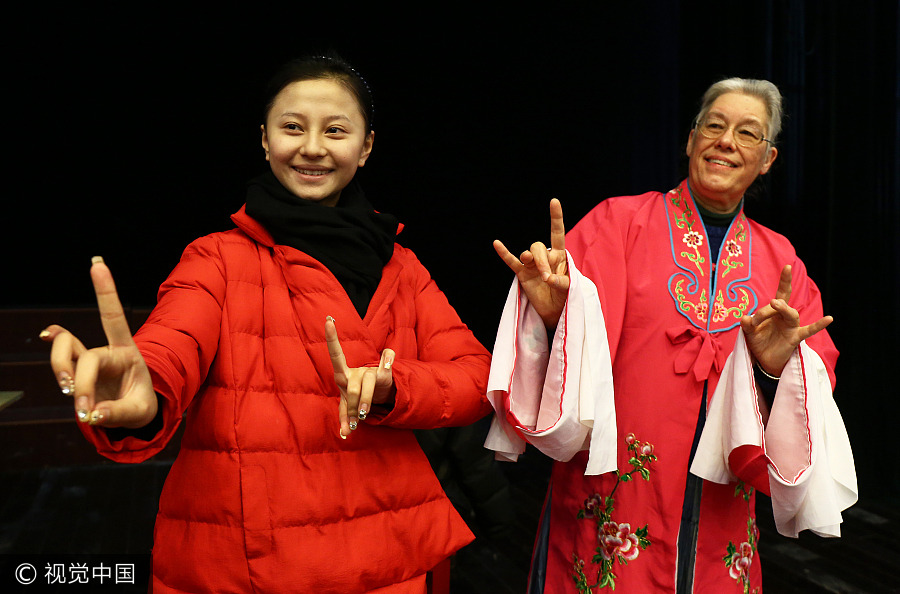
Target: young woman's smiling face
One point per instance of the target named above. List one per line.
(315, 138)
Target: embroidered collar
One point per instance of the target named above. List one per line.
(700, 275)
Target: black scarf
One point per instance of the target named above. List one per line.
(350, 239)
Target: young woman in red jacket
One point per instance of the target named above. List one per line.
(300, 348)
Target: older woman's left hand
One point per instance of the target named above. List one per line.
(774, 331)
(360, 387)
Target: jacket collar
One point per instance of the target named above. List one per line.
(252, 227)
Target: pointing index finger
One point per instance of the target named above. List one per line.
(334, 347)
(510, 260)
(112, 316)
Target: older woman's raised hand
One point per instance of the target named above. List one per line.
(360, 387)
(111, 384)
(774, 331)
(543, 272)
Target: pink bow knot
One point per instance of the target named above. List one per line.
(698, 352)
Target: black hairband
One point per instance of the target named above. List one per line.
(365, 83)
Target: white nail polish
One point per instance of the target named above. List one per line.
(66, 384)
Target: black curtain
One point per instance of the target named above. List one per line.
(134, 134)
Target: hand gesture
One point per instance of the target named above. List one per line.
(361, 387)
(774, 331)
(111, 384)
(542, 272)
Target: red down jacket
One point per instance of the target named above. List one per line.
(264, 495)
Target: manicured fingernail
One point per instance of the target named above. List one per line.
(362, 414)
(44, 334)
(66, 383)
(341, 433)
(388, 361)
(96, 417)
(352, 425)
(81, 405)
(97, 260)
(329, 319)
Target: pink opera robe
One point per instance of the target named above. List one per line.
(644, 332)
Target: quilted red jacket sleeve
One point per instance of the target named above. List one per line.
(178, 342)
(445, 385)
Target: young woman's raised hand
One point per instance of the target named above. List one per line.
(360, 387)
(111, 384)
(543, 272)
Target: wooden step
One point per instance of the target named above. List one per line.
(37, 424)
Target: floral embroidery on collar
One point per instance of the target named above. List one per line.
(711, 291)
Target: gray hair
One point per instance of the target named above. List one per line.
(763, 89)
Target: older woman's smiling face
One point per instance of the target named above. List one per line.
(720, 169)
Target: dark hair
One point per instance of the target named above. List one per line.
(318, 67)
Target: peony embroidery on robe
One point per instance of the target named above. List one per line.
(617, 542)
(738, 559)
(710, 290)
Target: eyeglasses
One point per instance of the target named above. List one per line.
(746, 135)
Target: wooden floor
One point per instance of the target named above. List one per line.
(108, 508)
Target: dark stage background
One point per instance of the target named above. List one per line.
(131, 133)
